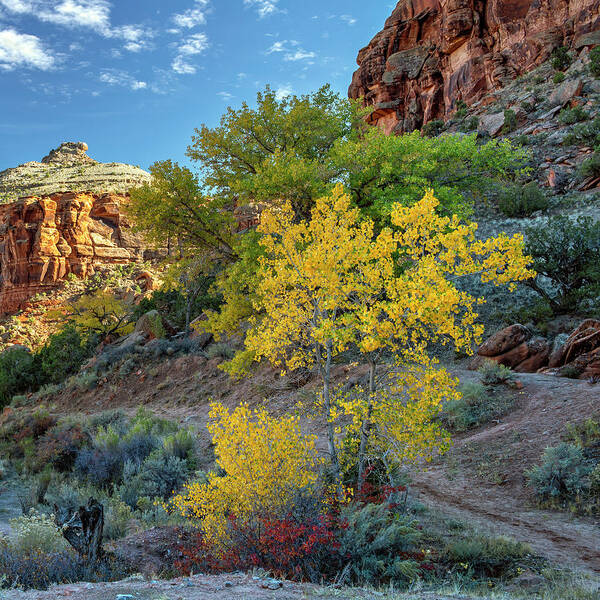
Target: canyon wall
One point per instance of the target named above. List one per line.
(433, 53)
(44, 239)
(63, 216)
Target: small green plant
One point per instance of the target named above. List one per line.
(510, 121)
(488, 557)
(34, 533)
(584, 134)
(522, 200)
(559, 77)
(220, 350)
(470, 124)
(478, 404)
(591, 166)
(595, 62)
(570, 116)
(560, 58)
(461, 109)
(433, 128)
(493, 373)
(562, 476)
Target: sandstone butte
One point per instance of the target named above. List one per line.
(433, 53)
(53, 229)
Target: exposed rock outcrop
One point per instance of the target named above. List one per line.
(575, 355)
(431, 54)
(44, 239)
(68, 169)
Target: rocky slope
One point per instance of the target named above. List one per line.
(53, 232)
(68, 169)
(431, 54)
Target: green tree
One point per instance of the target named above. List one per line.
(277, 150)
(173, 210)
(567, 253)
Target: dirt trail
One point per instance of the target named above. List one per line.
(504, 505)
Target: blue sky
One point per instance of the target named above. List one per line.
(133, 78)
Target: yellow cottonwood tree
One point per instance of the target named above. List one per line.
(266, 460)
(331, 283)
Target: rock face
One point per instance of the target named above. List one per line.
(63, 216)
(575, 355)
(433, 53)
(44, 239)
(68, 169)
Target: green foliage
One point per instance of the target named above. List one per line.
(510, 121)
(470, 124)
(595, 62)
(567, 252)
(377, 544)
(587, 134)
(518, 200)
(172, 304)
(570, 116)
(34, 533)
(174, 211)
(433, 128)
(493, 373)
(497, 557)
(64, 353)
(585, 434)
(562, 476)
(558, 77)
(591, 166)
(461, 109)
(159, 476)
(383, 170)
(478, 405)
(560, 58)
(277, 150)
(19, 373)
(102, 314)
(220, 350)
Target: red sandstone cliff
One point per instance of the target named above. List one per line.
(42, 240)
(432, 53)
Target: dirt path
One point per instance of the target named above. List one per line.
(211, 587)
(482, 478)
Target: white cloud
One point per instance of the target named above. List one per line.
(123, 79)
(349, 19)
(263, 7)
(191, 46)
(226, 96)
(283, 91)
(23, 50)
(291, 50)
(192, 17)
(299, 55)
(179, 65)
(86, 14)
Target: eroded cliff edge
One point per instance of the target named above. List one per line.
(432, 53)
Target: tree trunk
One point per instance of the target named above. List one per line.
(326, 373)
(366, 427)
(83, 529)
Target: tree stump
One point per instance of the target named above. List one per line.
(83, 529)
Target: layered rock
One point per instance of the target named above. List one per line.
(68, 169)
(433, 53)
(44, 239)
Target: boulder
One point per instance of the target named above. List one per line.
(491, 124)
(565, 92)
(538, 352)
(151, 324)
(504, 340)
(558, 350)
